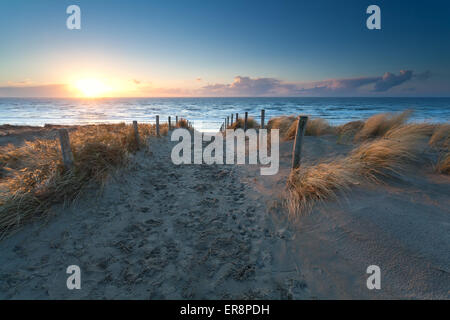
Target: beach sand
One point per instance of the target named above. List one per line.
(161, 231)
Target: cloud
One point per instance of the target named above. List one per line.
(246, 86)
(424, 75)
(390, 80)
(360, 85)
(335, 86)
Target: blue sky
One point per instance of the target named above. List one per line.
(225, 48)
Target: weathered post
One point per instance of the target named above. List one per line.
(228, 121)
(65, 149)
(232, 119)
(170, 124)
(136, 134)
(245, 121)
(157, 126)
(296, 152)
(176, 121)
(237, 117)
(262, 118)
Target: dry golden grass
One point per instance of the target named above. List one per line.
(441, 136)
(35, 178)
(372, 161)
(164, 129)
(306, 186)
(348, 130)
(412, 130)
(440, 141)
(288, 127)
(251, 124)
(443, 164)
(390, 155)
(379, 124)
(318, 127)
(182, 123)
(282, 123)
(314, 127)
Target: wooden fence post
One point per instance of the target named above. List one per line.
(65, 149)
(296, 152)
(232, 119)
(176, 121)
(245, 121)
(136, 134)
(170, 124)
(237, 117)
(157, 126)
(262, 118)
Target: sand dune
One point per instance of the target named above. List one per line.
(160, 231)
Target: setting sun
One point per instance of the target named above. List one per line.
(92, 88)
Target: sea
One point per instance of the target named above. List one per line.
(207, 114)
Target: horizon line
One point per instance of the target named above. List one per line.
(227, 97)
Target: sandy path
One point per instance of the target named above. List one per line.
(158, 231)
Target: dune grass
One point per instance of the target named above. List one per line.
(251, 124)
(182, 123)
(282, 123)
(441, 137)
(346, 132)
(377, 125)
(34, 177)
(440, 141)
(306, 186)
(314, 127)
(288, 127)
(373, 161)
(443, 164)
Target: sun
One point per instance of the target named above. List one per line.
(91, 88)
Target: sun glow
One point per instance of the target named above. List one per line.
(92, 88)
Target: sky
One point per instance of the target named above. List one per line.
(186, 48)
